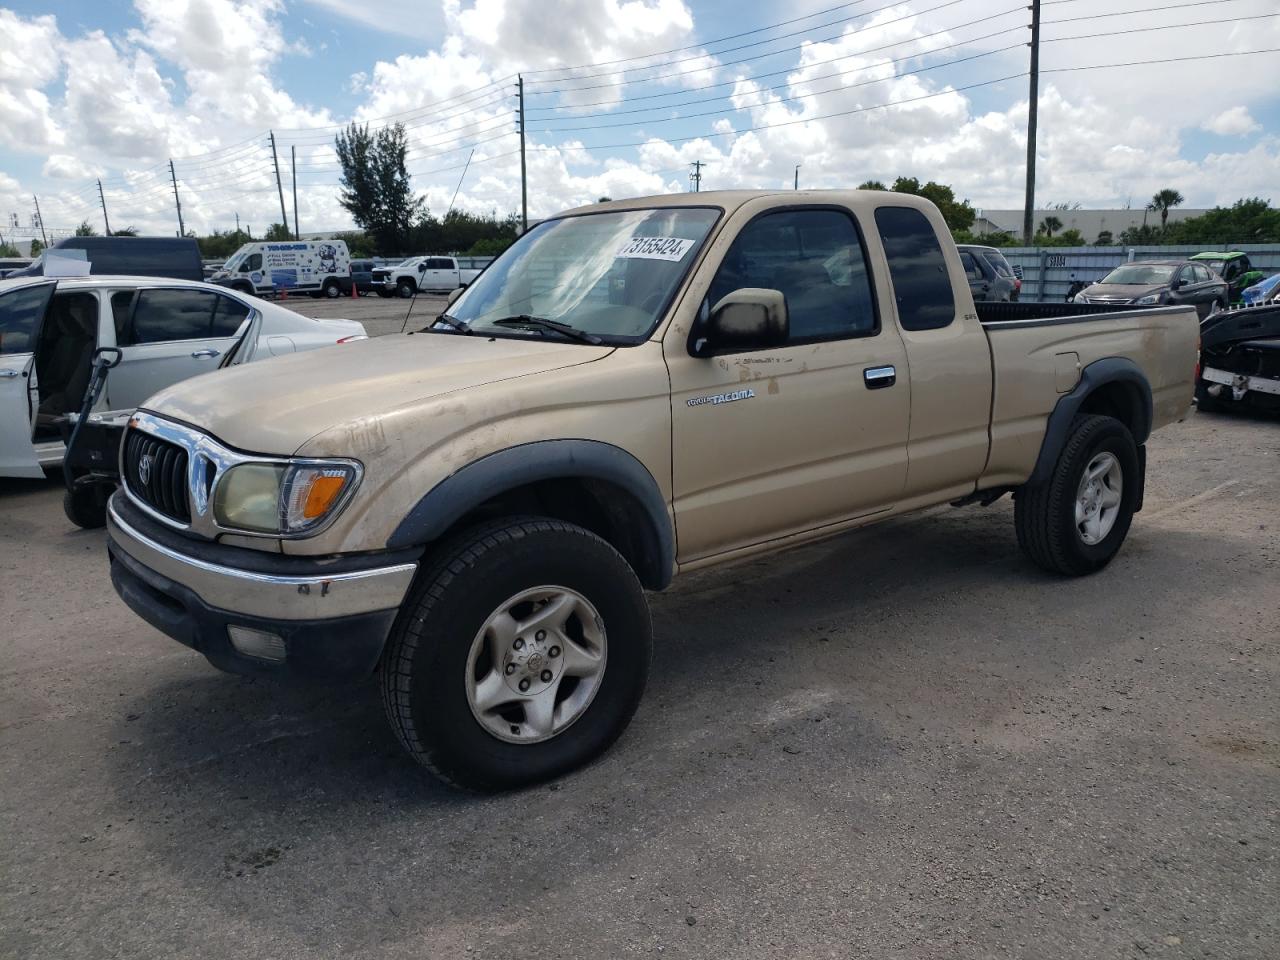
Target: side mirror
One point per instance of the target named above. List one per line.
(1178, 284)
(422, 267)
(453, 295)
(752, 318)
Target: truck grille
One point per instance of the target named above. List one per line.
(156, 472)
(379, 275)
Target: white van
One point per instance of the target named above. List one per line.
(307, 266)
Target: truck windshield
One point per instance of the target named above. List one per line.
(1141, 274)
(605, 274)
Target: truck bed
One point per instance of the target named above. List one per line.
(991, 311)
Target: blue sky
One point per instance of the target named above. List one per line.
(113, 89)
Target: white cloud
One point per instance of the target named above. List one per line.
(1235, 122)
(62, 166)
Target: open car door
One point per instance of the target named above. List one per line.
(246, 347)
(22, 314)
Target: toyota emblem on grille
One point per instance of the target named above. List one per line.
(144, 468)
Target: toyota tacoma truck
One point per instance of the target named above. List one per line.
(473, 512)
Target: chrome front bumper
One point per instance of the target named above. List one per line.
(313, 596)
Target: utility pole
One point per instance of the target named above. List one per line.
(293, 166)
(279, 189)
(182, 230)
(696, 176)
(797, 184)
(40, 220)
(524, 177)
(237, 222)
(1033, 105)
(105, 221)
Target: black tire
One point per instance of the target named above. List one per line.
(1045, 514)
(332, 289)
(1206, 403)
(86, 506)
(424, 666)
(405, 289)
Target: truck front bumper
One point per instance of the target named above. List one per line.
(252, 612)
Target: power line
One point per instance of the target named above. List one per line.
(960, 44)
(1129, 13)
(791, 49)
(1167, 26)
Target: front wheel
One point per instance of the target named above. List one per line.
(1075, 522)
(405, 289)
(332, 289)
(521, 654)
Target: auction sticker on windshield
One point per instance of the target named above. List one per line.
(654, 248)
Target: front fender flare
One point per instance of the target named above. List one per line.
(495, 474)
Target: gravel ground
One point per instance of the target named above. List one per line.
(380, 315)
(901, 743)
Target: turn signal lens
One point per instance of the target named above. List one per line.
(313, 492)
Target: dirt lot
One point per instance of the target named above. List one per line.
(902, 743)
(380, 315)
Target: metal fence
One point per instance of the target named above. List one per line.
(1048, 272)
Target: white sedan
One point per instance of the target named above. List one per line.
(167, 330)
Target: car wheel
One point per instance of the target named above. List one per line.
(332, 289)
(405, 289)
(521, 654)
(1075, 522)
(86, 506)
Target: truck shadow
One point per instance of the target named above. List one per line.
(812, 659)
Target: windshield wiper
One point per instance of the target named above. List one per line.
(459, 325)
(554, 326)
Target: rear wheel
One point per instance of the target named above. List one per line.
(1076, 522)
(521, 654)
(332, 288)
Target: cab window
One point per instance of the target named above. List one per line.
(816, 259)
(971, 268)
(921, 285)
(251, 263)
(228, 315)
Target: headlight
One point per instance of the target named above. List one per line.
(1080, 298)
(1150, 298)
(282, 498)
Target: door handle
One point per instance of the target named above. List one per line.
(9, 374)
(877, 378)
(204, 354)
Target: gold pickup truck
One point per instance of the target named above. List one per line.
(635, 389)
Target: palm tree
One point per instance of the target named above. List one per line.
(1164, 201)
(1050, 224)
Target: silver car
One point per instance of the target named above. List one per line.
(167, 331)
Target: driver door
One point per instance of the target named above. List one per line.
(22, 314)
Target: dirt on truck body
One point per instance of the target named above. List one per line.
(634, 390)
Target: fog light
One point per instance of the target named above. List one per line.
(257, 643)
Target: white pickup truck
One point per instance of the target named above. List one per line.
(442, 274)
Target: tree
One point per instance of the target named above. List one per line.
(1164, 201)
(958, 214)
(84, 230)
(872, 185)
(1048, 225)
(36, 248)
(1144, 235)
(277, 232)
(9, 250)
(1105, 239)
(375, 184)
(126, 232)
(604, 199)
(1251, 220)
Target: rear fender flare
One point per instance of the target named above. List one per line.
(1096, 375)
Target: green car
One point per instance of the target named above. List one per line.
(1234, 268)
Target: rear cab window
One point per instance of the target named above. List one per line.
(917, 269)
